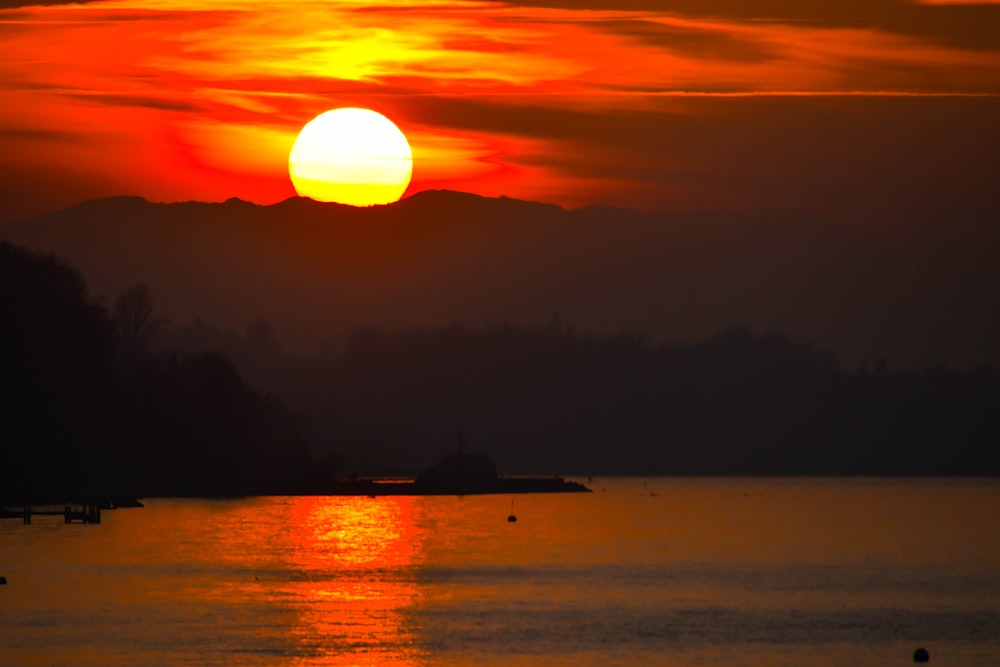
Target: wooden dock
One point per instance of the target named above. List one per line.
(87, 512)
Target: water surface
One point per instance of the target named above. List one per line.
(642, 571)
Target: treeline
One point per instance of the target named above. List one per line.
(107, 400)
(87, 410)
(554, 401)
(739, 403)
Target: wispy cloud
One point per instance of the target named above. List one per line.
(493, 94)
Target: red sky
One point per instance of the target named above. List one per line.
(858, 110)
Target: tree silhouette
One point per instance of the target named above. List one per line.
(73, 428)
(56, 378)
(134, 323)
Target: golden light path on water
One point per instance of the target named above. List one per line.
(342, 568)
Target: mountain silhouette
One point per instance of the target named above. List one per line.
(440, 257)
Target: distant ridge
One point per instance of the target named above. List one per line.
(440, 257)
(418, 200)
(455, 197)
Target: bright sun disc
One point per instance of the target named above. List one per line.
(351, 156)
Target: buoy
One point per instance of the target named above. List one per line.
(511, 518)
(921, 655)
(3, 581)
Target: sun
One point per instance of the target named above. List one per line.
(351, 156)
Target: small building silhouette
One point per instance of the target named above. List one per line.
(460, 469)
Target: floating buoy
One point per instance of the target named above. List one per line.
(511, 518)
(3, 581)
(921, 655)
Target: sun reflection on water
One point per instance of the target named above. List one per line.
(345, 569)
(354, 532)
(357, 556)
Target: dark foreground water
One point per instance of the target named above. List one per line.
(641, 572)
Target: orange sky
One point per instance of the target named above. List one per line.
(848, 107)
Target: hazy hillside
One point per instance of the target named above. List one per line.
(439, 258)
(110, 401)
(554, 400)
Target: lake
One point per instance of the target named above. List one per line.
(659, 571)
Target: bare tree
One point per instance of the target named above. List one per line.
(134, 321)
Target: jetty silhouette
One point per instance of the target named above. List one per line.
(457, 473)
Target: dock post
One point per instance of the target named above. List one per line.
(92, 512)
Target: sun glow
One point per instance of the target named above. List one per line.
(351, 156)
